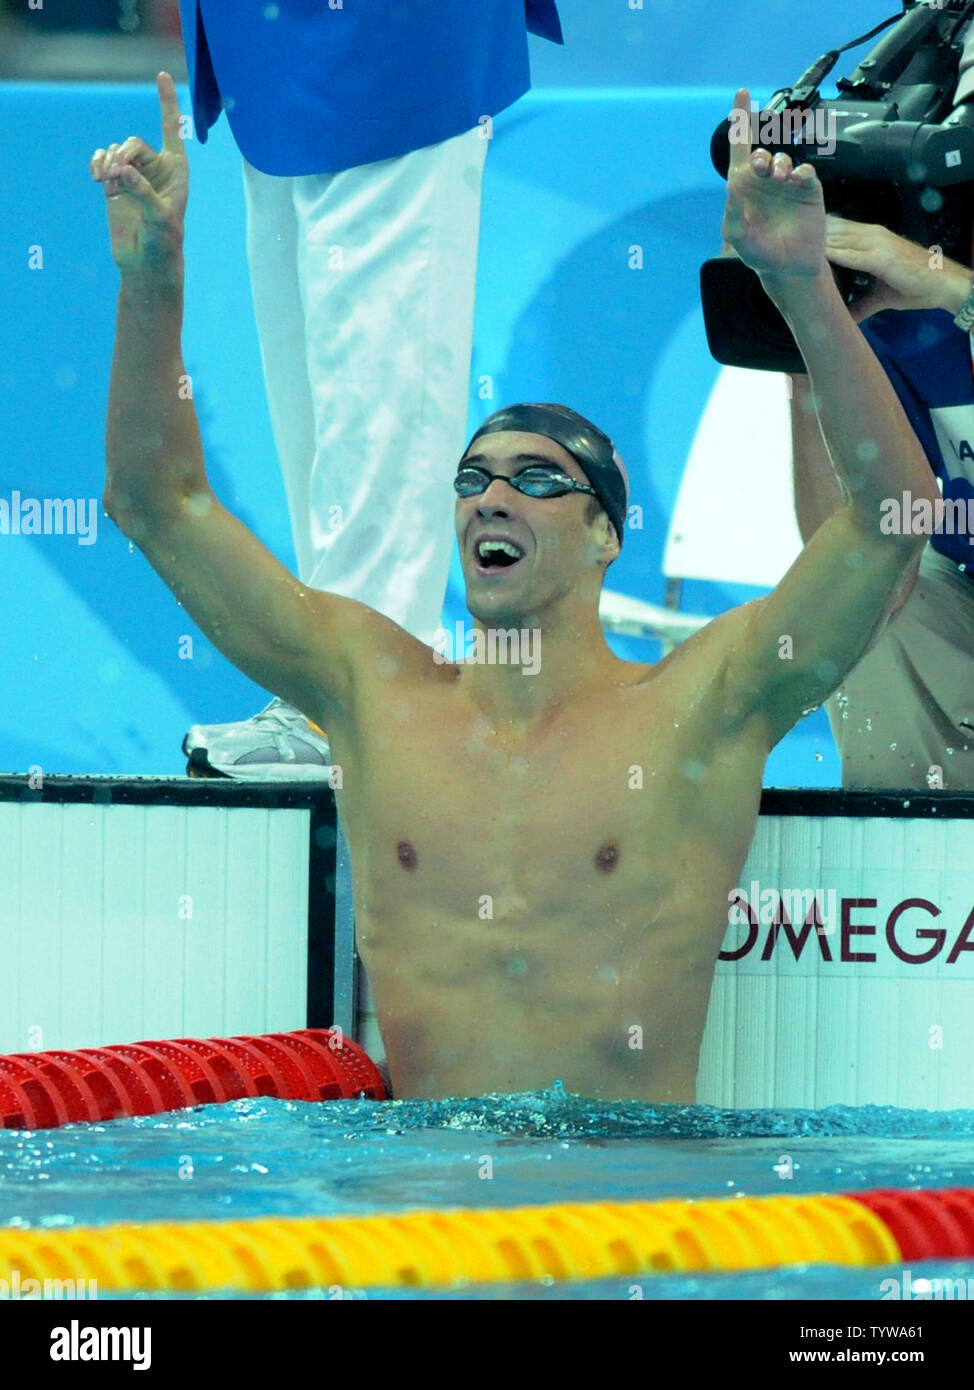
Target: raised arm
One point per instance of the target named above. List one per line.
(793, 648)
(298, 642)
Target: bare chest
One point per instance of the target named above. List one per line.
(593, 809)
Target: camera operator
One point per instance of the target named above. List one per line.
(904, 716)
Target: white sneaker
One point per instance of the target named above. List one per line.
(279, 744)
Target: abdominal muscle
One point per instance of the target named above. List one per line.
(612, 1009)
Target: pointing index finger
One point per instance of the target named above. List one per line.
(740, 149)
(170, 114)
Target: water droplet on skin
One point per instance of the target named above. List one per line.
(517, 966)
(694, 771)
(199, 503)
(388, 666)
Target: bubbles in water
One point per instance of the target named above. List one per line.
(892, 748)
(950, 752)
(819, 757)
(558, 1089)
(869, 726)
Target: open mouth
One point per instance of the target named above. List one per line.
(495, 557)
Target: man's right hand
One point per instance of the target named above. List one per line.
(146, 192)
(905, 277)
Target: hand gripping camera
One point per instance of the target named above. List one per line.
(892, 148)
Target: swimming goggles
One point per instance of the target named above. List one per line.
(535, 481)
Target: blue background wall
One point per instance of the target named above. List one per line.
(610, 149)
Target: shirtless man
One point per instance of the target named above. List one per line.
(542, 862)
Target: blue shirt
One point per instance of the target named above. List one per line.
(928, 361)
(310, 88)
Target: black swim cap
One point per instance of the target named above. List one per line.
(594, 451)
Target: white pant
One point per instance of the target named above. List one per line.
(363, 284)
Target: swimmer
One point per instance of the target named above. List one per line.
(541, 861)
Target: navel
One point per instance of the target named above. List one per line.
(406, 855)
(607, 857)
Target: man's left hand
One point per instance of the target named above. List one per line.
(908, 276)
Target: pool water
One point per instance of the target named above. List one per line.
(271, 1157)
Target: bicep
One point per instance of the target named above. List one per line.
(797, 645)
(292, 640)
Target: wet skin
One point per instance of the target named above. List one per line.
(608, 901)
(542, 863)
(542, 874)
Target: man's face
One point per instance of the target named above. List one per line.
(557, 550)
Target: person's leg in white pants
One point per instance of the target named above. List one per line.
(363, 283)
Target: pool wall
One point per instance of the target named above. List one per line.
(137, 908)
(876, 1008)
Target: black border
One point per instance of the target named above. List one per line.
(192, 791)
(832, 801)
